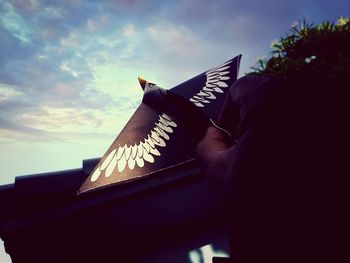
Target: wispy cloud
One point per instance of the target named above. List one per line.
(69, 68)
(15, 24)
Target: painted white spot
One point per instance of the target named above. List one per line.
(221, 84)
(158, 130)
(160, 142)
(127, 152)
(131, 163)
(134, 151)
(120, 152)
(111, 166)
(140, 161)
(148, 157)
(121, 164)
(95, 175)
(218, 90)
(154, 151)
(140, 150)
(150, 142)
(107, 160)
(146, 147)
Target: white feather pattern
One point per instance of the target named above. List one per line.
(136, 155)
(216, 80)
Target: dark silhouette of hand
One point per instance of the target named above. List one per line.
(213, 153)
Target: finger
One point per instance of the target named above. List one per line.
(214, 141)
(217, 138)
(212, 155)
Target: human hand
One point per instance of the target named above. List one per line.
(214, 150)
(213, 155)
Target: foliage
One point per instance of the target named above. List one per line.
(318, 53)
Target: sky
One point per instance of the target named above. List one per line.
(68, 69)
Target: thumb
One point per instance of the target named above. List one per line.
(213, 142)
(216, 139)
(212, 154)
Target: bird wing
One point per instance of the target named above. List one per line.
(146, 144)
(208, 90)
(153, 140)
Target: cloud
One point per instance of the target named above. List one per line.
(26, 5)
(129, 30)
(13, 133)
(7, 92)
(175, 40)
(69, 68)
(17, 132)
(14, 23)
(59, 119)
(72, 40)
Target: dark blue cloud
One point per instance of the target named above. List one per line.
(52, 52)
(50, 49)
(24, 131)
